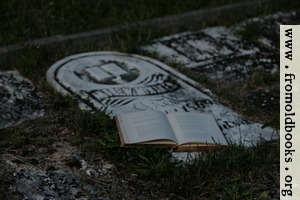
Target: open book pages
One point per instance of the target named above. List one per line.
(177, 130)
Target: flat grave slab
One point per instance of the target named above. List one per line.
(215, 52)
(19, 100)
(125, 83)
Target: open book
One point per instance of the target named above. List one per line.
(180, 130)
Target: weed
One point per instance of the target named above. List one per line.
(74, 140)
(230, 173)
(251, 30)
(93, 123)
(235, 189)
(29, 64)
(41, 141)
(92, 146)
(130, 41)
(151, 163)
(19, 142)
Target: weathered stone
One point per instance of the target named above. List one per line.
(215, 52)
(19, 100)
(66, 182)
(40, 185)
(145, 84)
(107, 166)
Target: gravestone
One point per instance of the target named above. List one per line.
(124, 83)
(19, 100)
(215, 52)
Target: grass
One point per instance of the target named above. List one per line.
(224, 174)
(235, 172)
(28, 20)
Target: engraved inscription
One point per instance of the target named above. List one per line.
(168, 85)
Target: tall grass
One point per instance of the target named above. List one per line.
(21, 21)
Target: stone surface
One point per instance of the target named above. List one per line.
(60, 175)
(54, 185)
(57, 185)
(215, 52)
(125, 83)
(19, 100)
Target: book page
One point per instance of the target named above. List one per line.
(144, 126)
(196, 127)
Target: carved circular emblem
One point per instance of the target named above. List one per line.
(110, 74)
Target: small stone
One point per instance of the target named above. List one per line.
(107, 166)
(91, 172)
